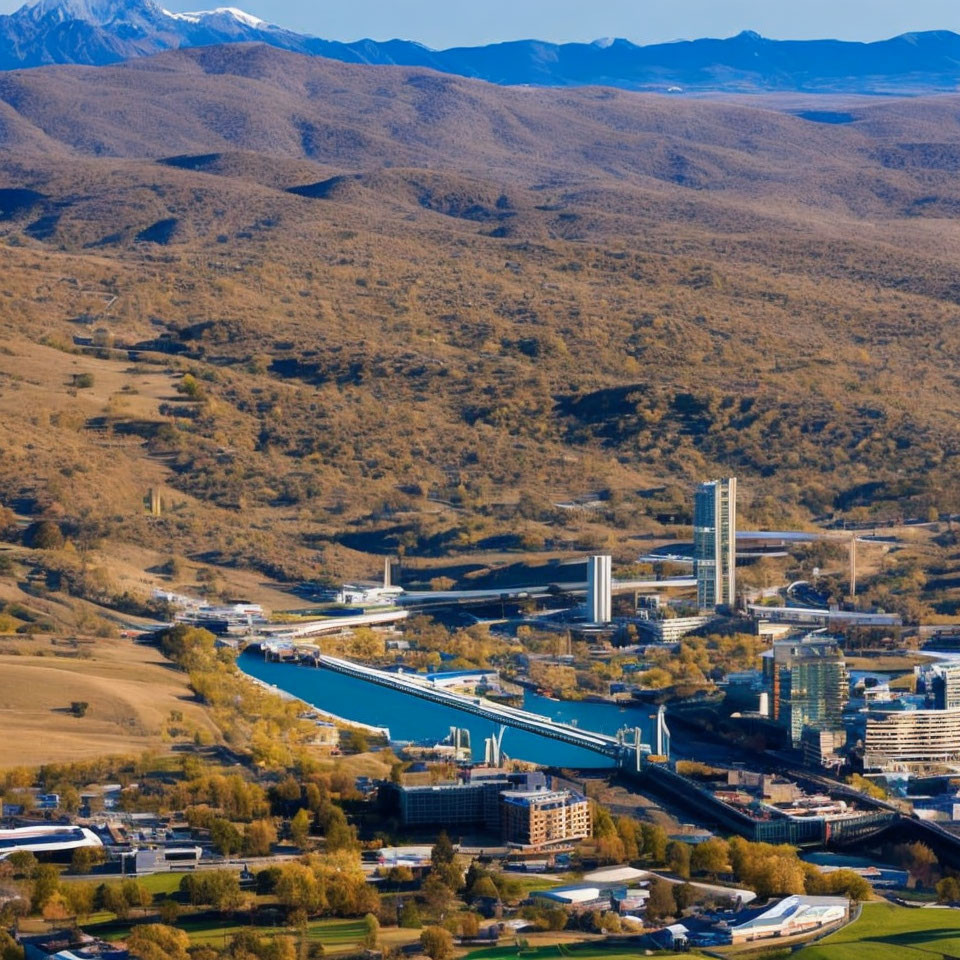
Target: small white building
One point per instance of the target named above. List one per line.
(352, 595)
(791, 917)
(46, 840)
(674, 936)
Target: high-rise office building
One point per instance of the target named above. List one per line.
(946, 686)
(715, 543)
(808, 685)
(600, 589)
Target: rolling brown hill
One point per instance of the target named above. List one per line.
(421, 310)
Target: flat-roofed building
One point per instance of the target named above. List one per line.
(715, 543)
(946, 686)
(895, 739)
(821, 748)
(808, 684)
(68, 945)
(544, 819)
(599, 589)
(669, 630)
(578, 897)
(475, 802)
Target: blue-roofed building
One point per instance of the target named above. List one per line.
(68, 945)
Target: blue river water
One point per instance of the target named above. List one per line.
(410, 718)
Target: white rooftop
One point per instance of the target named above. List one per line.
(616, 875)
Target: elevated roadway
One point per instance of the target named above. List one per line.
(540, 591)
(311, 628)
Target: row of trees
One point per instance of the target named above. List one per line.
(768, 869)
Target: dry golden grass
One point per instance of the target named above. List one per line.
(505, 299)
(131, 691)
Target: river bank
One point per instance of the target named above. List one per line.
(340, 721)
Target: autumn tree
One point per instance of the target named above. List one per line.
(948, 890)
(157, 941)
(712, 857)
(259, 838)
(678, 858)
(660, 903)
(437, 943)
(300, 828)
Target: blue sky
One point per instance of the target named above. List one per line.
(440, 23)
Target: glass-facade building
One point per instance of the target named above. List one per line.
(808, 683)
(715, 543)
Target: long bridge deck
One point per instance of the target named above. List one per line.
(617, 748)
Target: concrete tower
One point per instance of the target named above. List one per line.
(600, 589)
(715, 543)
(662, 739)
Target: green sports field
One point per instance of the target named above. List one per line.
(888, 932)
(595, 950)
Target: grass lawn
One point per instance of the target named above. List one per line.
(337, 936)
(162, 883)
(593, 950)
(888, 932)
(527, 883)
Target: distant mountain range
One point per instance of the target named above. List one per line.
(98, 32)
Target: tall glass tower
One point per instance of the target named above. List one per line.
(715, 543)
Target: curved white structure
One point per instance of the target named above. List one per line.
(46, 839)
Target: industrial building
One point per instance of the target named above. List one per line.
(578, 897)
(544, 819)
(808, 684)
(714, 543)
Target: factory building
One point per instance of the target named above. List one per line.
(715, 543)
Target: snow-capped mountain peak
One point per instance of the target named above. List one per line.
(241, 16)
(98, 12)
(106, 31)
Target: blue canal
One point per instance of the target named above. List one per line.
(410, 718)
